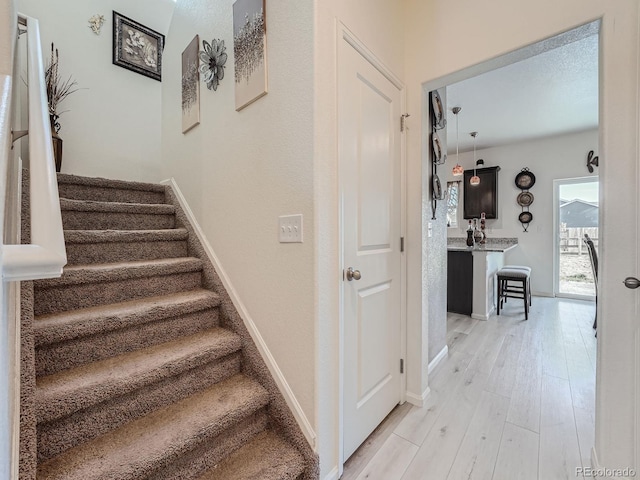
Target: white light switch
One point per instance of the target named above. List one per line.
(290, 228)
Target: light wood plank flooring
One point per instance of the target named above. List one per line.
(514, 399)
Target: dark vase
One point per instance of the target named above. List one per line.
(57, 144)
(470, 239)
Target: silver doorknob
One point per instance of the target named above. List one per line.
(353, 274)
(631, 282)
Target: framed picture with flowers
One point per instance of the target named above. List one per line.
(136, 47)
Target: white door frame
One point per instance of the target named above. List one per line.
(346, 39)
(556, 233)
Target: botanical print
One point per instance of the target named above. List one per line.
(140, 49)
(249, 48)
(190, 86)
(136, 47)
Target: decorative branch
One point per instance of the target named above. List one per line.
(57, 89)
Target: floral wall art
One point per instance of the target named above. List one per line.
(136, 47)
(190, 86)
(250, 51)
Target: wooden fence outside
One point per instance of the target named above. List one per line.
(571, 239)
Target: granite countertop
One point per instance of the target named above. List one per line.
(491, 245)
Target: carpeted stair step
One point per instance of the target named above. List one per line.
(67, 339)
(66, 392)
(91, 215)
(83, 286)
(101, 246)
(78, 405)
(150, 444)
(105, 190)
(266, 457)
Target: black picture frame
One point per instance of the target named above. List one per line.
(136, 47)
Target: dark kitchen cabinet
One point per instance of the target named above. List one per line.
(459, 282)
(483, 197)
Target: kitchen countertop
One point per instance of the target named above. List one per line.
(491, 245)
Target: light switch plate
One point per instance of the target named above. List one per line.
(290, 228)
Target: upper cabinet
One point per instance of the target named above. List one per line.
(483, 197)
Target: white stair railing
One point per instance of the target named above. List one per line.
(45, 256)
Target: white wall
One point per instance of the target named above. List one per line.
(239, 171)
(469, 39)
(111, 129)
(551, 158)
(379, 25)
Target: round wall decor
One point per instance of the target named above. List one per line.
(525, 219)
(525, 179)
(525, 199)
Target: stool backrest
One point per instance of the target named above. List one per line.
(593, 256)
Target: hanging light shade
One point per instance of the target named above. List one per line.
(457, 170)
(475, 180)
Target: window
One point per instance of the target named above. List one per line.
(453, 191)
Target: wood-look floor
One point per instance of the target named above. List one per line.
(514, 399)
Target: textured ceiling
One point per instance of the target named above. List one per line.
(552, 93)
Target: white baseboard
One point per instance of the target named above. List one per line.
(477, 316)
(438, 358)
(418, 400)
(542, 294)
(277, 374)
(333, 474)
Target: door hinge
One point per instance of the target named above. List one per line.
(402, 244)
(402, 365)
(403, 119)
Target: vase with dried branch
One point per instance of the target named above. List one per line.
(57, 90)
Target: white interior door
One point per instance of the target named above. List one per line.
(370, 163)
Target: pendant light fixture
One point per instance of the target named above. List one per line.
(457, 170)
(475, 180)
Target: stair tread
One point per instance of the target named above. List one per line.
(67, 325)
(104, 272)
(149, 443)
(113, 236)
(62, 393)
(266, 457)
(67, 204)
(108, 183)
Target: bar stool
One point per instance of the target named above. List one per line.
(514, 281)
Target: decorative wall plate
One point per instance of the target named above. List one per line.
(525, 199)
(437, 188)
(439, 120)
(525, 179)
(438, 156)
(525, 217)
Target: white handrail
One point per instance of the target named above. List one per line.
(46, 255)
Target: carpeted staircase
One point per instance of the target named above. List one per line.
(143, 368)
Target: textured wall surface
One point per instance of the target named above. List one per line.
(239, 171)
(112, 125)
(436, 255)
